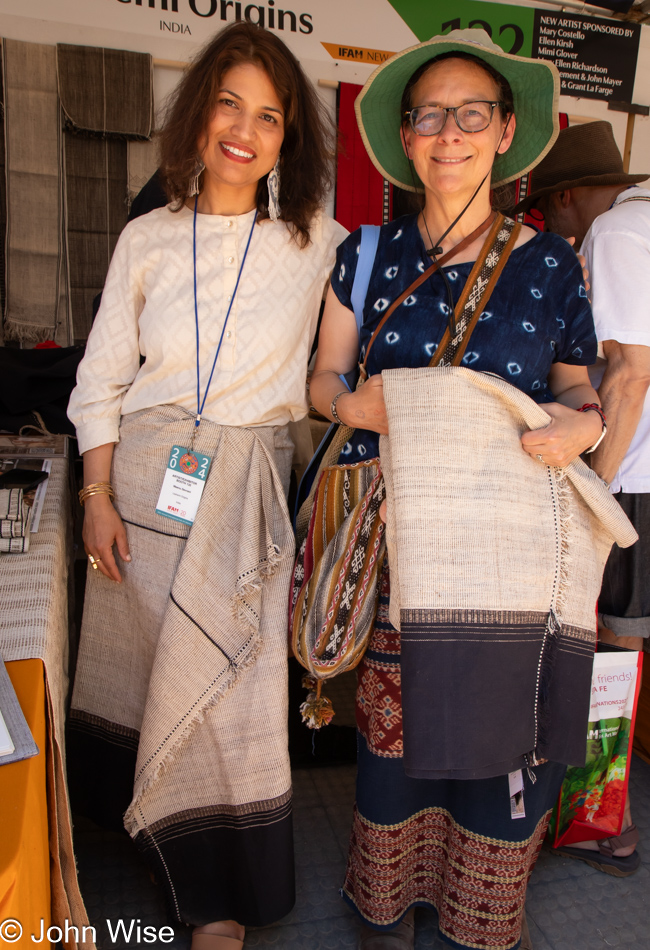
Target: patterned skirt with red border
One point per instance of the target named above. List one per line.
(450, 844)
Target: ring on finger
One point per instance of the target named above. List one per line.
(94, 561)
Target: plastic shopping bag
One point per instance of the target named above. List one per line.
(592, 798)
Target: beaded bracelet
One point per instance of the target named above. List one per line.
(334, 414)
(596, 408)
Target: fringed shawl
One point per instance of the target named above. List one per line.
(496, 563)
(189, 652)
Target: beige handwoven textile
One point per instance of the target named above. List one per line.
(203, 679)
(37, 304)
(460, 488)
(496, 563)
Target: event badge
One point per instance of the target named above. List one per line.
(183, 485)
(516, 787)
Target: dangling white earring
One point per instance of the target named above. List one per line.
(194, 181)
(273, 184)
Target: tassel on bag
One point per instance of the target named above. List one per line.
(273, 184)
(317, 711)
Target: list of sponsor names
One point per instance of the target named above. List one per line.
(596, 58)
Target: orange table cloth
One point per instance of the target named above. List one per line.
(24, 844)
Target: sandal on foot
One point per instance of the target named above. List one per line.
(401, 937)
(216, 942)
(604, 859)
(204, 940)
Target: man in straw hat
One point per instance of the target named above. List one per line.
(581, 190)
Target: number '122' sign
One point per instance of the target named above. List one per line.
(510, 27)
(517, 41)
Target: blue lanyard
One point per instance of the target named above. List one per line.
(200, 405)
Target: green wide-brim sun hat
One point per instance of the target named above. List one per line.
(535, 85)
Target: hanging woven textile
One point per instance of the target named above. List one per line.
(107, 104)
(37, 306)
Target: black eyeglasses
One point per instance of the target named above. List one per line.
(470, 117)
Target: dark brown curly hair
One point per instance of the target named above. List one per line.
(308, 148)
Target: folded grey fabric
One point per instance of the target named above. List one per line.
(15, 521)
(11, 504)
(14, 545)
(106, 90)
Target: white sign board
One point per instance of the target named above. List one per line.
(174, 29)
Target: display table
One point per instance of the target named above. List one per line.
(34, 642)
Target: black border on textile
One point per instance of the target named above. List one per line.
(484, 725)
(225, 867)
(101, 772)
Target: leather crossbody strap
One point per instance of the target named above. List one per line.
(477, 290)
(420, 280)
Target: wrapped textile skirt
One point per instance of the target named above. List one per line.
(446, 843)
(179, 709)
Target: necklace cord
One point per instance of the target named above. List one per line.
(436, 248)
(201, 404)
(196, 319)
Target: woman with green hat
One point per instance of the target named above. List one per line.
(451, 119)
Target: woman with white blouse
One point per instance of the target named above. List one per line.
(195, 365)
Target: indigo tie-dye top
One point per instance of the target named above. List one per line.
(537, 315)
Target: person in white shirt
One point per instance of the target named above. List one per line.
(204, 332)
(582, 191)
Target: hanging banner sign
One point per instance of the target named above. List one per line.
(596, 58)
(359, 54)
(510, 27)
(177, 28)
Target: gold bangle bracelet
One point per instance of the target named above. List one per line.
(99, 488)
(82, 501)
(96, 491)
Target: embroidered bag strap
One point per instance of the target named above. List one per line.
(420, 280)
(477, 290)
